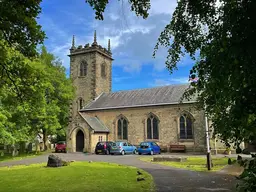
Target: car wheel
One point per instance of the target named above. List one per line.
(135, 152)
(122, 153)
(96, 153)
(107, 152)
(112, 153)
(139, 153)
(151, 152)
(65, 151)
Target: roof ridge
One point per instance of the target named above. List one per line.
(130, 90)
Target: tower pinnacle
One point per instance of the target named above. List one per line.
(94, 39)
(73, 42)
(109, 45)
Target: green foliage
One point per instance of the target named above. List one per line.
(20, 98)
(34, 95)
(58, 95)
(248, 177)
(18, 25)
(229, 161)
(139, 7)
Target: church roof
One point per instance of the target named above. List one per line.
(95, 123)
(164, 95)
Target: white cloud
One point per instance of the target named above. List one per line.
(132, 38)
(162, 6)
(118, 79)
(170, 81)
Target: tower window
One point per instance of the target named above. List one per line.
(80, 103)
(103, 70)
(83, 68)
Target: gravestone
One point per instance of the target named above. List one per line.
(54, 161)
(30, 147)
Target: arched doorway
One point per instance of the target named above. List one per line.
(79, 141)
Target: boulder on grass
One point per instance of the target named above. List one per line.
(54, 161)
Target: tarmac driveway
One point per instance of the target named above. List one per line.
(166, 178)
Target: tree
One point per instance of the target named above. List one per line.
(34, 91)
(21, 95)
(18, 25)
(140, 7)
(34, 95)
(58, 95)
(223, 34)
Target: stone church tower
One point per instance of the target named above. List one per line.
(91, 75)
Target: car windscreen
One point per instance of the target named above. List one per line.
(61, 142)
(116, 144)
(144, 145)
(100, 143)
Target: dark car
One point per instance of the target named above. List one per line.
(61, 146)
(103, 147)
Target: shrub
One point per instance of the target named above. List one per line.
(248, 177)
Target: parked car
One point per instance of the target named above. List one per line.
(122, 147)
(61, 146)
(103, 147)
(149, 148)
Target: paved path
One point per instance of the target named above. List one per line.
(166, 178)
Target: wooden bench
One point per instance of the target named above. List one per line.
(177, 148)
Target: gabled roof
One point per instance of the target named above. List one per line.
(95, 123)
(164, 95)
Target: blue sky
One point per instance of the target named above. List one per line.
(132, 39)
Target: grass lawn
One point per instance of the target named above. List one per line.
(8, 157)
(194, 163)
(78, 176)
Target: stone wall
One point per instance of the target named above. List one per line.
(78, 124)
(87, 88)
(95, 140)
(103, 84)
(168, 125)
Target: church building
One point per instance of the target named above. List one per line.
(151, 114)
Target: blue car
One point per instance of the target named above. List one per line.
(149, 148)
(122, 147)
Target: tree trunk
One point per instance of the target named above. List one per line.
(45, 140)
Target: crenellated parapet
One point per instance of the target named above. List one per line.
(80, 49)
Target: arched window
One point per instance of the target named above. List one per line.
(103, 70)
(83, 68)
(152, 127)
(80, 103)
(122, 129)
(186, 130)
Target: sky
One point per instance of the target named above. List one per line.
(132, 39)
